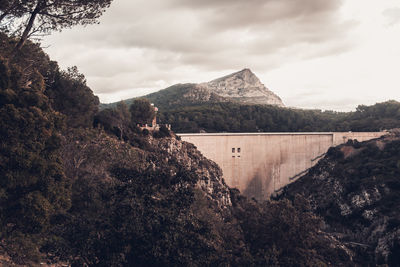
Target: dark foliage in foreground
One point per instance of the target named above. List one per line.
(81, 196)
(33, 187)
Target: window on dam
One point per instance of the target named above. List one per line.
(233, 150)
(238, 149)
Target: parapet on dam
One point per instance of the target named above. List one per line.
(259, 164)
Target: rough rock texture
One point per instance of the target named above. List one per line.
(201, 94)
(356, 190)
(209, 173)
(243, 86)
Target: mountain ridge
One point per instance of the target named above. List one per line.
(239, 87)
(245, 87)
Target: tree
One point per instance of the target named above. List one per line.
(43, 16)
(10, 8)
(70, 95)
(142, 111)
(33, 186)
(116, 120)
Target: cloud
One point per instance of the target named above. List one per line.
(237, 13)
(143, 45)
(392, 15)
(316, 100)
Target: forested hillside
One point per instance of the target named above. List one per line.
(83, 187)
(356, 190)
(221, 115)
(86, 188)
(233, 117)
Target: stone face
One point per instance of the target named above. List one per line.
(355, 190)
(243, 86)
(240, 87)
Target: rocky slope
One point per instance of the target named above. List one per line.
(356, 190)
(244, 87)
(239, 87)
(96, 153)
(183, 94)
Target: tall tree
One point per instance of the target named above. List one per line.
(33, 186)
(43, 16)
(70, 95)
(142, 111)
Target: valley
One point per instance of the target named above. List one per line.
(217, 173)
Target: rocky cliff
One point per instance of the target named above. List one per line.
(97, 154)
(240, 87)
(244, 87)
(356, 190)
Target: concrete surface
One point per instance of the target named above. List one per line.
(259, 164)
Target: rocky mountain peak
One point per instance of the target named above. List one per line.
(243, 86)
(243, 78)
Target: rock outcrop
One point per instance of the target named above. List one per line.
(98, 153)
(244, 87)
(210, 174)
(356, 190)
(240, 87)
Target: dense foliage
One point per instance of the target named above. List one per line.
(33, 187)
(218, 115)
(123, 122)
(142, 218)
(141, 111)
(231, 117)
(70, 95)
(285, 233)
(66, 90)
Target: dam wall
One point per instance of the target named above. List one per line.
(259, 164)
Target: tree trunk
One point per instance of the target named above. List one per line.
(28, 29)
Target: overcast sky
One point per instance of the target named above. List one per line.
(327, 54)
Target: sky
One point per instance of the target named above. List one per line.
(324, 54)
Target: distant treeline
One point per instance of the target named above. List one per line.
(232, 117)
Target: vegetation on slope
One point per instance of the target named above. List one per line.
(118, 196)
(356, 190)
(232, 117)
(220, 115)
(33, 187)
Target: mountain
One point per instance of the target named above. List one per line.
(356, 191)
(239, 87)
(244, 87)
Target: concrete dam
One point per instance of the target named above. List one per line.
(259, 164)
